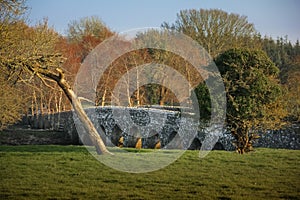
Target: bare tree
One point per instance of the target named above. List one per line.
(28, 52)
(214, 29)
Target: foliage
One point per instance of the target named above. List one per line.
(11, 104)
(87, 26)
(253, 94)
(31, 54)
(204, 101)
(293, 95)
(163, 56)
(86, 33)
(134, 68)
(215, 30)
(12, 10)
(70, 172)
(282, 53)
(11, 101)
(21, 45)
(287, 57)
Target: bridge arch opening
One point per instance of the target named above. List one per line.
(196, 144)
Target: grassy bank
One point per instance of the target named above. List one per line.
(70, 172)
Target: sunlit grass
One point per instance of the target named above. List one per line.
(71, 172)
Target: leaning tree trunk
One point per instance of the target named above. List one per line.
(86, 122)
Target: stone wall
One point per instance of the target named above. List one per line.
(288, 138)
(153, 126)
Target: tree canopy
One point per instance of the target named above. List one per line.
(253, 94)
(30, 52)
(214, 29)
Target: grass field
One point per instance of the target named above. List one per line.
(70, 172)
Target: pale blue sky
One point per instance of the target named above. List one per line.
(270, 17)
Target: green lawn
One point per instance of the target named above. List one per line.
(70, 172)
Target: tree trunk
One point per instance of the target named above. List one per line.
(103, 98)
(243, 142)
(86, 122)
(88, 125)
(138, 87)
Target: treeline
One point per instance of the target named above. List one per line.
(27, 52)
(286, 56)
(233, 31)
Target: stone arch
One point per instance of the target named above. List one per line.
(151, 140)
(139, 143)
(121, 142)
(174, 141)
(131, 137)
(157, 145)
(196, 144)
(115, 136)
(172, 135)
(219, 146)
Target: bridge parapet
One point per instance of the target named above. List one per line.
(165, 125)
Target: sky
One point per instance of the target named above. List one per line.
(273, 18)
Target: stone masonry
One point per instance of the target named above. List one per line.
(153, 125)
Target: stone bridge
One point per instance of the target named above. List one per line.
(168, 127)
